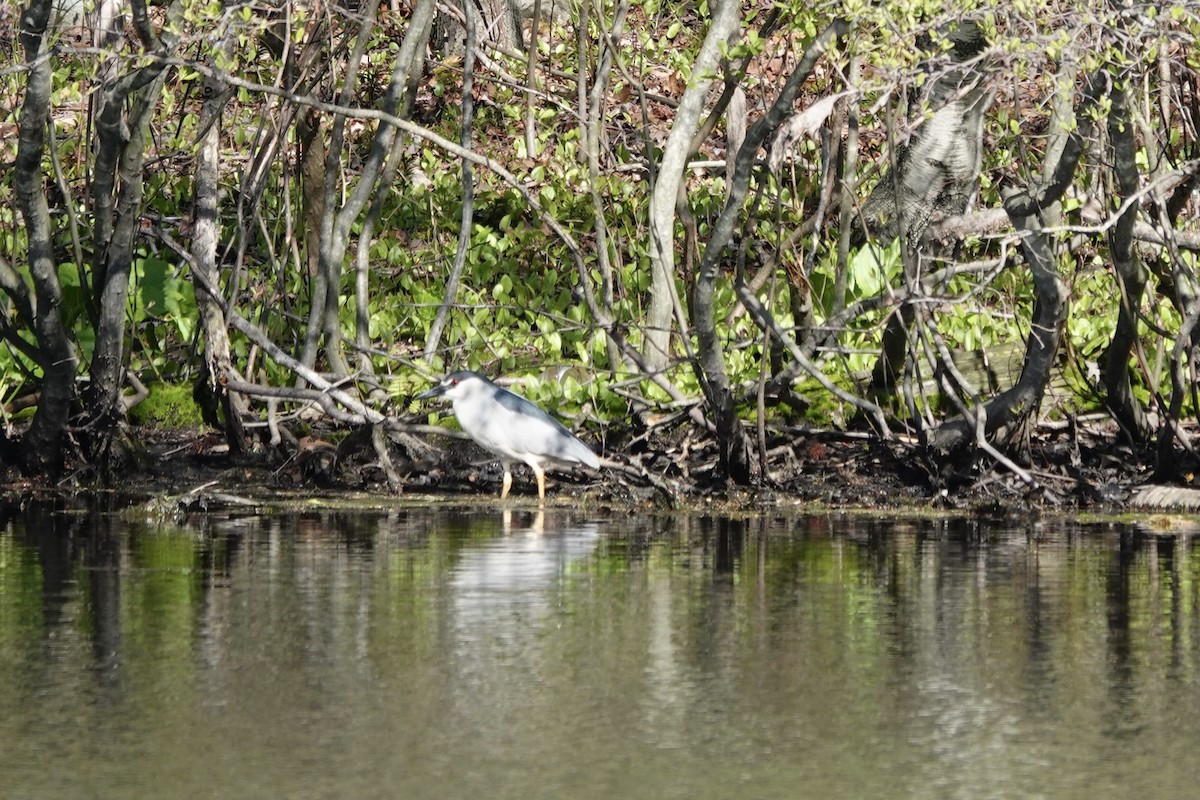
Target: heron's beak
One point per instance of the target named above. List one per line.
(436, 391)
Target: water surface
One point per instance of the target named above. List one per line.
(467, 653)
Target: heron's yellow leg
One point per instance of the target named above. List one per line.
(541, 479)
(507, 484)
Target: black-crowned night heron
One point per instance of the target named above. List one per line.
(511, 427)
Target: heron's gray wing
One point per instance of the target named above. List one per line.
(520, 406)
(542, 434)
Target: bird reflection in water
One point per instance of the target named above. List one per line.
(510, 582)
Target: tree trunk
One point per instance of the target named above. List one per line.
(323, 316)
(108, 357)
(1186, 297)
(311, 146)
(502, 24)
(1049, 311)
(42, 446)
(499, 22)
(120, 154)
(467, 220)
(676, 151)
(337, 222)
(1013, 408)
(206, 231)
(591, 124)
(1130, 275)
(734, 451)
(934, 176)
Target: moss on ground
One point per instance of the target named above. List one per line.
(167, 407)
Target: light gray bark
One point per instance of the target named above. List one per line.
(206, 230)
(676, 151)
(936, 173)
(934, 176)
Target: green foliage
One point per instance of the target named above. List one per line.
(519, 309)
(164, 318)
